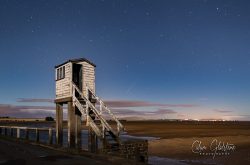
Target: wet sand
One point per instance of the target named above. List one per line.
(177, 138)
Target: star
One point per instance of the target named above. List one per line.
(161, 35)
(190, 12)
(141, 62)
(59, 34)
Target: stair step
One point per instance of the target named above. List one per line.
(92, 100)
(82, 101)
(93, 113)
(112, 134)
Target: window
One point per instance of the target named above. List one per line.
(60, 73)
(63, 72)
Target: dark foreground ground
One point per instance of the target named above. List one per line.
(25, 154)
(13, 152)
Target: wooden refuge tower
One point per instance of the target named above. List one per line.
(75, 86)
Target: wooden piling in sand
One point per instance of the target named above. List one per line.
(37, 135)
(50, 140)
(59, 124)
(11, 131)
(26, 134)
(71, 125)
(92, 141)
(78, 124)
(18, 133)
(5, 131)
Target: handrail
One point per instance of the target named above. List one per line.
(119, 124)
(29, 128)
(89, 119)
(18, 134)
(103, 121)
(93, 107)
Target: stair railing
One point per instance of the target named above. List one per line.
(96, 112)
(103, 107)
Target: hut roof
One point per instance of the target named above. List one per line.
(76, 61)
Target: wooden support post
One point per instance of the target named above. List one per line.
(50, 136)
(92, 141)
(59, 124)
(37, 135)
(92, 137)
(78, 129)
(5, 131)
(18, 133)
(27, 134)
(104, 140)
(11, 131)
(71, 125)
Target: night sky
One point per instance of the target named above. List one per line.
(155, 58)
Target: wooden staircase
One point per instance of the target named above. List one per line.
(95, 117)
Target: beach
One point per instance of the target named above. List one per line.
(183, 142)
(176, 140)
